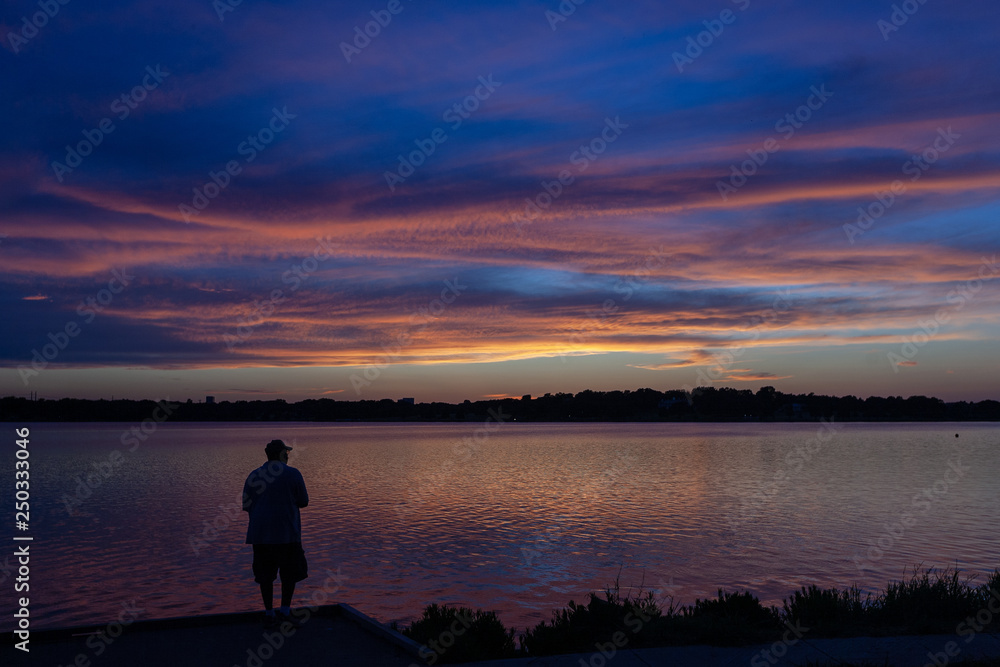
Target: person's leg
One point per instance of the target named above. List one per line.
(293, 569)
(265, 569)
(287, 591)
(267, 593)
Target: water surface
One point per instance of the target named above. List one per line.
(519, 519)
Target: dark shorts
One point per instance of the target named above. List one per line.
(268, 559)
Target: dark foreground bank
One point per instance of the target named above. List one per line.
(330, 635)
(339, 635)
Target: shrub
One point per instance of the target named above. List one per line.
(732, 618)
(580, 628)
(461, 635)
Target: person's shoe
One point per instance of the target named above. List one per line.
(272, 621)
(290, 619)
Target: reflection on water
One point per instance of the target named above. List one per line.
(518, 519)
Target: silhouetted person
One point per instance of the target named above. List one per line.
(272, 495)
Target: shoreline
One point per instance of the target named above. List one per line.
(702, 405)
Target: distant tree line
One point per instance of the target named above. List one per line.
(722, 404)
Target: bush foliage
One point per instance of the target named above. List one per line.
(928, 602)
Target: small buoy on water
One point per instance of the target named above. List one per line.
(956, 435)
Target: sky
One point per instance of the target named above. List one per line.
(448, 201)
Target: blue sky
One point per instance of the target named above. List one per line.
(637, 272)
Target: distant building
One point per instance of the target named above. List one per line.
(410, 401)
(210, 399)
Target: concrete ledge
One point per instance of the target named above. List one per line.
(380, 630)
(331, 634)
(345, 611)
(150, 625)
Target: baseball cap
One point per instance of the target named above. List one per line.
(276, 446)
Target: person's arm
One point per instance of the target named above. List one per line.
(301, 496)
(248, 497)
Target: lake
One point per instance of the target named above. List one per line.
(513, 517)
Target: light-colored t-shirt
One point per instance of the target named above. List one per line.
(272, 495)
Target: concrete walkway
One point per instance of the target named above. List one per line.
(340, 635)
(335, 635)
(912, 651)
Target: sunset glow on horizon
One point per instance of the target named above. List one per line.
(497, 200)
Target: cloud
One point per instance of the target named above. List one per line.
(693, 358)
(747, 375)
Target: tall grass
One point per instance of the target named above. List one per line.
(927, 603)
(829, 612)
